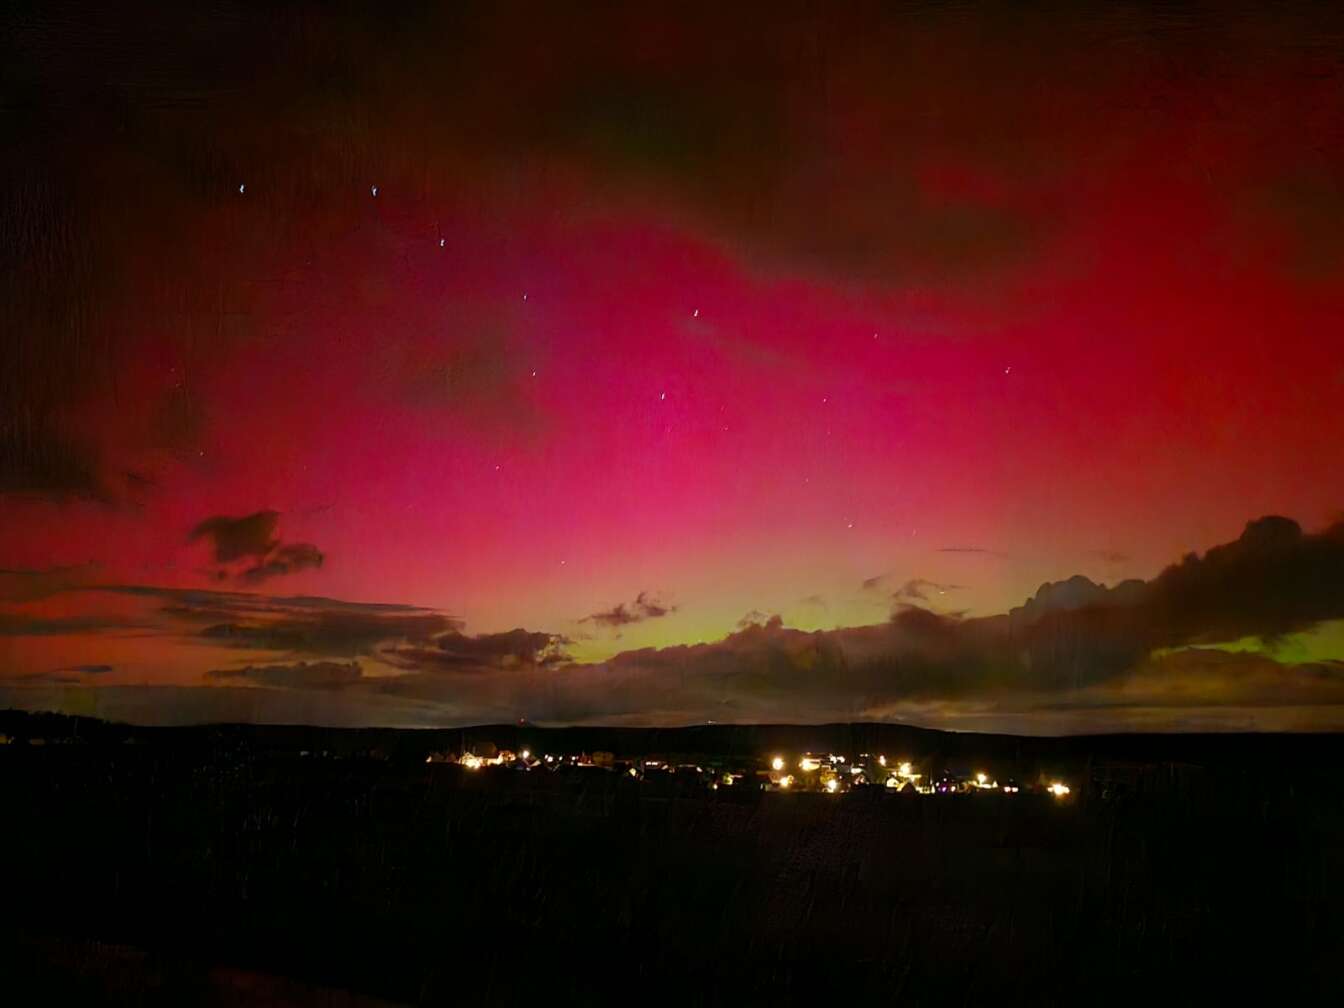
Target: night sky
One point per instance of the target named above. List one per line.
(974, 366)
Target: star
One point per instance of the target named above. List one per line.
(696, 313)
(242, 188)
(441, 242)
(534, 374)
(1006, 370)
(373, 190)
(662, 395)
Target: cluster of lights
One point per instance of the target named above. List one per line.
(828, 770)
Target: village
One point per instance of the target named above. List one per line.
(816, 772)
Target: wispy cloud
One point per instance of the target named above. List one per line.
(252, 540)
(303, 675)
(644, 607)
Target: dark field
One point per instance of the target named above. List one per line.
(167, 874)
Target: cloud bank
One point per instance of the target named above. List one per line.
(1077, 655)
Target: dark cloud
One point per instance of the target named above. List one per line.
(1073, 638)
(253, 537)
(297, 624)
(69, 674)
(201, 599)
(455, 651)
(303, 675)
(644, 607)
(1271, 581)
(238, 538)
(1075, 594)
(342, 634)
(47, 678)
(969, 549)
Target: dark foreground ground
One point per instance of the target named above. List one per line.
(152, 875)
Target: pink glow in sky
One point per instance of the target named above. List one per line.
(648, 318)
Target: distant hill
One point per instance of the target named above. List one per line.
(1004, 755)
